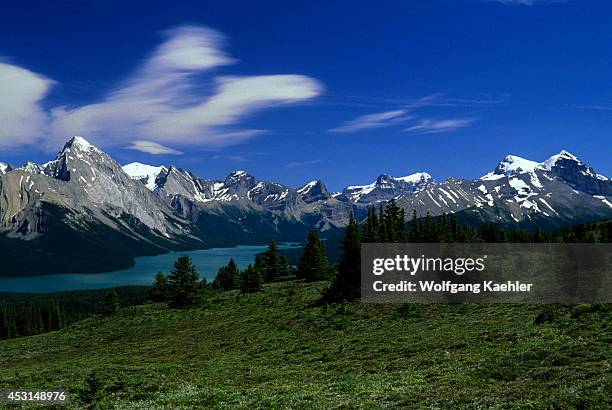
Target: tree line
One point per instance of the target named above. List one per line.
(42, 316)
(387, 225)
(27, 315)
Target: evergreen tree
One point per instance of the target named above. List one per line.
(259, 265)
(159, 290)
(394, 224)
(606, 233)
(428, 229)
(442, 228)
(347, 283)
(227, 277)
(537, 235)
(111, 302)
(250, 280)
(275, 265)
(415, 234)
(183, 285)
(313, 265)
(453, 228)
(368, 229)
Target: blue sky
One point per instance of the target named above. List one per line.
(341, 91)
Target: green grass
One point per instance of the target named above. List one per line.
(279, 349)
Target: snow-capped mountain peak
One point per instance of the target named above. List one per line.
(561, 156)
(386, 185)
(237, 177)
(79, 143)
(416, 178)
(511, 165)
(143, 172)
(314, 191)
(308, 187)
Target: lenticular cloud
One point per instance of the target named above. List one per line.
(174, 97)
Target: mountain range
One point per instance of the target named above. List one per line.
(62, 216)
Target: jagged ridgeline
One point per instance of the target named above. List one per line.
(62, 215)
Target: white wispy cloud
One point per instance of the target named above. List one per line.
(22, 120)
(175, 97)
(299, 164)
(439, 99)
(153, 148)
(377, 120)
(430, 126)
(408, 109)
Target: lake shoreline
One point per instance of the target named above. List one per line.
(132, 262)
(142, 272)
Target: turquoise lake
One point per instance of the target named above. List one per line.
(207, 261)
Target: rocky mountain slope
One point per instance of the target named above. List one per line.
(83, 204)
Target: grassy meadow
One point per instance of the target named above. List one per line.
(282, 349)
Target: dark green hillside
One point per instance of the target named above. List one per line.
(239, 227)
(280, 349)
(62, 249)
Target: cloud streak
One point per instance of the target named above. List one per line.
(369, 121)
(300, 164)
(430, 126)
(150, 147)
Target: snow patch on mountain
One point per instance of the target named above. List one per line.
(143, 172)
(416, 178)
(603, 199)
(4, 168)
(306, 188)
(32, 168)
(511, 165)
(397, 187)
(552, 161)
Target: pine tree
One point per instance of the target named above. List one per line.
(394, 223)
(428, 229)
(605, 233)
(347, 283)
(259, 265)
(159, 290)
(275, 265)
(227, 277)
(183, 284)
(442, 228)
(313, 265)
(453, 229)
(250, 280)
(111, 302)
(415, 234)
(537, 235)
(368, 229)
